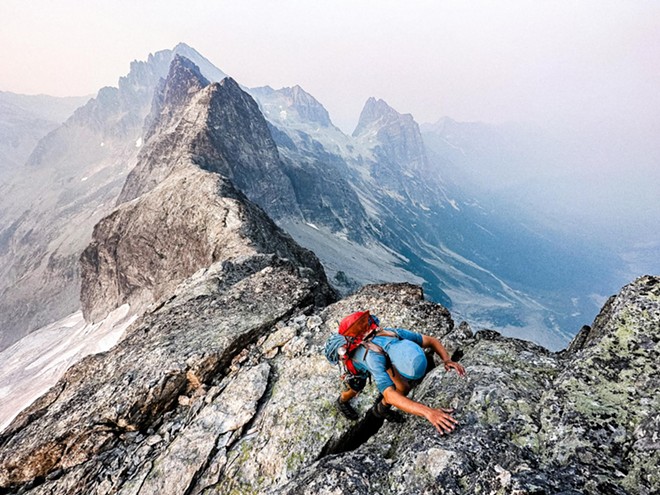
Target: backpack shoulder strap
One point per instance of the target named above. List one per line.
(370, 346)
(387, 333)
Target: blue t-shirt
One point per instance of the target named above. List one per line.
(376, 363)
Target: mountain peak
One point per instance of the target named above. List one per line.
(221, 126)
(210, 71)
(294, 103)
(230, 84)
(181, 47)
(184, 75)
(376, 111)
(183, 80)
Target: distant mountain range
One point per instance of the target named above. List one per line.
(379, 205)
(213, 377)
(24, 120)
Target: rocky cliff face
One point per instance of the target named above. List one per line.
(224, 389)
(71, 180)
(180, 213)
(221, 129)
(401, 164)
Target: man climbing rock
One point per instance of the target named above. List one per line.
(395, 359)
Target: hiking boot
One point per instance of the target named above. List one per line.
(382, 411)
(347, 410)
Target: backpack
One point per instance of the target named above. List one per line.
(355, 330)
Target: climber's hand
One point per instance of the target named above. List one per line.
(449, 365)
(442, 420)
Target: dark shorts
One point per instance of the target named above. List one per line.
(355, 382)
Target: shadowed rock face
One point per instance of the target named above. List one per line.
(220, 129)
(179, 212)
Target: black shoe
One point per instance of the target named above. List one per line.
(347, 410)
(384, 412)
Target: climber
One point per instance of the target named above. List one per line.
(395, 359)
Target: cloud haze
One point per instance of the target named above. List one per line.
(588, 70)
(491, 61)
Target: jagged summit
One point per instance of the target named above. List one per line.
(179, 210)
(219, 128)
(291, 106)
(183, 80)
(396, 141)
(307, 106)
(376, 114)
(210, 71)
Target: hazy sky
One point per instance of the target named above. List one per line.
(581, 61)
(588, 68)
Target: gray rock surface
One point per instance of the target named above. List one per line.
(179, 211)
(143, 250)
(70, 181)
(105, 406)
(220, 128)
(219, 392)
(530, 421)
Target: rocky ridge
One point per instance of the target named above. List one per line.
(221, 385)
(71, 180)
(228, 397)
(195, 117)
(179, 210)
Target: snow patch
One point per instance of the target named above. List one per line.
(138, 143)
(36, 362)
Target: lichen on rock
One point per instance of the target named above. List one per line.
(221, 385)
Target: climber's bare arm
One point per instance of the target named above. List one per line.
(429, 342)
(440, 418)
